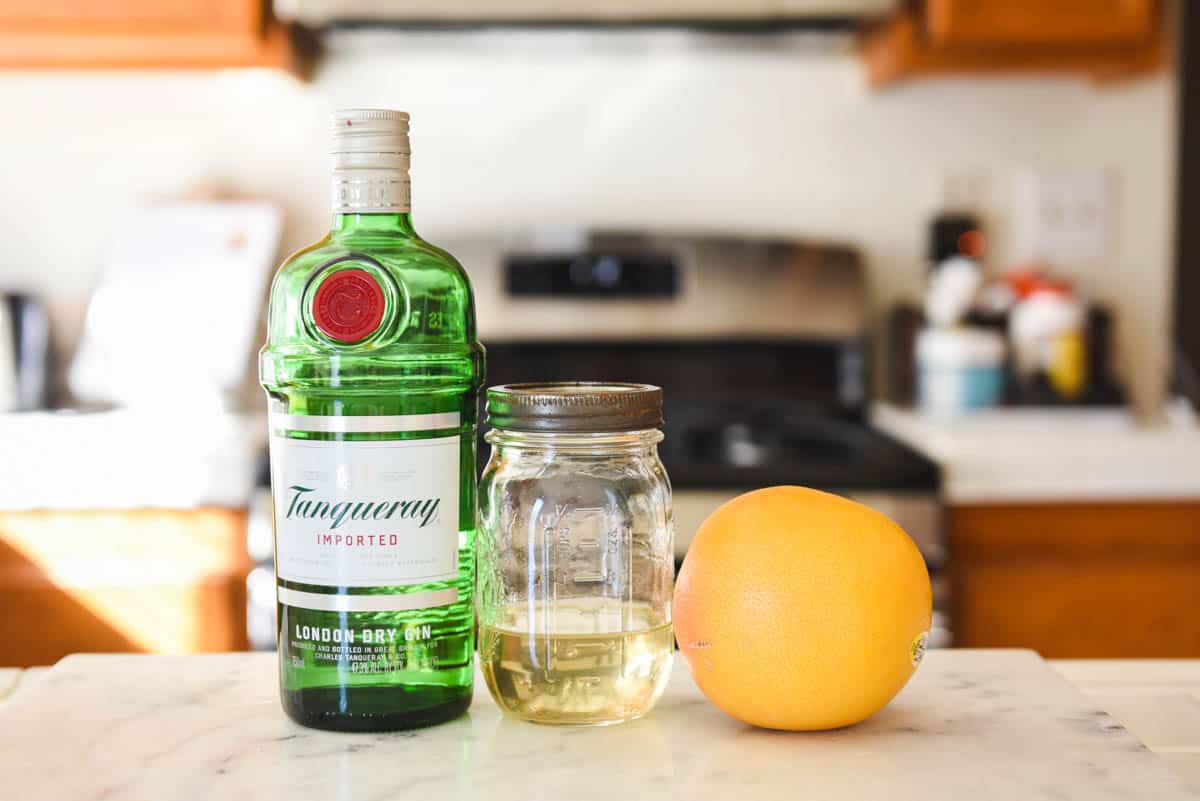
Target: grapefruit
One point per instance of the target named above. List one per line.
(800, 610)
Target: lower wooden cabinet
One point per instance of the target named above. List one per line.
(1077, 580)
(154, 581)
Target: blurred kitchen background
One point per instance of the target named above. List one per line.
(923, 253)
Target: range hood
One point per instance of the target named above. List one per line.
(715, 13)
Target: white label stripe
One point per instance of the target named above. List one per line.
(365, 424)
(325, 581)
(367, 603)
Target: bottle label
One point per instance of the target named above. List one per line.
(365, 514)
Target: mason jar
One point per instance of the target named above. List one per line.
(575, 552)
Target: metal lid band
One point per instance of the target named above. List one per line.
(575, 406)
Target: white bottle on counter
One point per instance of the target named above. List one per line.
(959, 370)
(1047, 333)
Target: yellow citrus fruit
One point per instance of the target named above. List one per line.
(801, 610)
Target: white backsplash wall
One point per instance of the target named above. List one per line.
(657, 129)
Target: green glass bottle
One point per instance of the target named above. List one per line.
(372, 369)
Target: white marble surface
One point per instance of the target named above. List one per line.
(1135, 676)
(1157, 699)
(8, 681)
(972, 724)
(129, 459)
(1053, 455)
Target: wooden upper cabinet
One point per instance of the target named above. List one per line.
(138, 17)
(1099, 39)
(142, 33)
(1038, 22)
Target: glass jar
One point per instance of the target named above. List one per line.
(575, 552)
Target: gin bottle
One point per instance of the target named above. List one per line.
(371, 369)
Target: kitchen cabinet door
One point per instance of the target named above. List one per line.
(1102, 580)
(1037, 22)
(135, 33)
(140, 17)
(994, 38)
(108, 580)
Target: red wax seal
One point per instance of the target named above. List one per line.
(348, 305)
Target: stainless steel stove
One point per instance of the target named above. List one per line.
(761, 348)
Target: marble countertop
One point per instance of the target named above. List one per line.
(1018, 455)
(129, 458)
(972, 724)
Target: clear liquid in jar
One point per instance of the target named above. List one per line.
(585, 661)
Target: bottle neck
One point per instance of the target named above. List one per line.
(393, 224)
(371, 184)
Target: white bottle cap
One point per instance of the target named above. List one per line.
(959, 348)
(370, 161)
